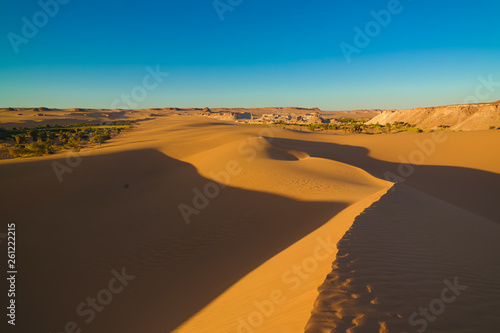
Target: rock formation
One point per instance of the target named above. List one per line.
(455, 117)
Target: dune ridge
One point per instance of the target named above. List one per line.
(399, 256)
(278, 295)
(288, 199)
(258, 215)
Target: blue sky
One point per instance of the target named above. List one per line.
(263, 53)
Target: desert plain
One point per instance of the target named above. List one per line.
(208, 221)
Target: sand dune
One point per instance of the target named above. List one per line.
(90, 223)
(277, 296)
(277, 200)
(440, 164)
(402, 255)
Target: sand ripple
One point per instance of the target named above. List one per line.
(393, 262)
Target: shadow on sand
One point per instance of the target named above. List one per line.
(121, 211)
(456, 185)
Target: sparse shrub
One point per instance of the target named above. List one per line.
(18, 151)
(33, 134)
(106, 135)
(63, 137)
(99, 137)
(72, 143)
(37, 148)
(48, 147)
(356, 128)
(350, 120)
(492, 127)
(43, 135)
(40, 148)
(20, 138)
(4, 134)
(81, 135)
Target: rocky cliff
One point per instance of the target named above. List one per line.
(456, 117)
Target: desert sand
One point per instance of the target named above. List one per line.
(257, 250)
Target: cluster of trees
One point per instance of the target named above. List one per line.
(402, 126)
(350, 121)
(356, 126)
(397, 126)
(350, 125)
(325, 127)
(48, 139)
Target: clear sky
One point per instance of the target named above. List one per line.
(248, 53)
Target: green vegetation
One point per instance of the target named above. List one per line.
(349, 126)
(20, 139)
(325, 127)
(350, 121)
(356, 128)
(32, 149)
(47, 139)
(400, 126)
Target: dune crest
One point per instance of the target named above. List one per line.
(407, 253)
(252, 257)
(278, 295)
